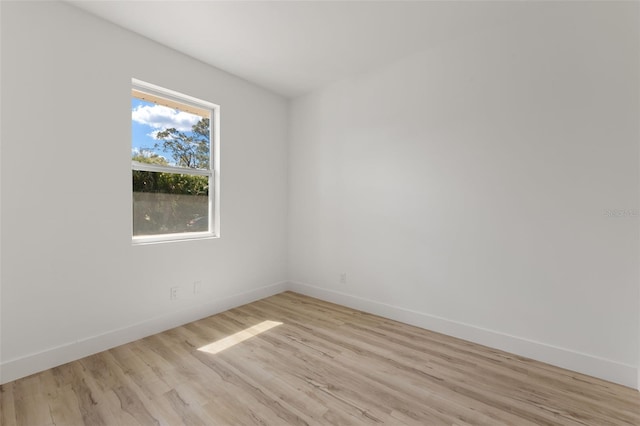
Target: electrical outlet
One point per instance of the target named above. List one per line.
(173, 293)
(197, 287)
(343, 278)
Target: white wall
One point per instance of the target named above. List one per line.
(72, 283)
(465, 188)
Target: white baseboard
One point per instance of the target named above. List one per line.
(613, 371)
(627, 375)
(52, 357)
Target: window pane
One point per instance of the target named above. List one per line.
(168, 203)
(168, 135)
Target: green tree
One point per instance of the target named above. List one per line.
(149, 157)
(187, 150)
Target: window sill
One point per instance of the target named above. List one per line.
(172, 238)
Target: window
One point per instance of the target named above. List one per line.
(174, 152)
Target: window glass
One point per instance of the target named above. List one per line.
(169, 203)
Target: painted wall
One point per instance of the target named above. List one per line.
(72, 283)
(487, 188)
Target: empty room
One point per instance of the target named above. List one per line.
(319, 213)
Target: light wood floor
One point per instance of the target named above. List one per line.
(324, 364)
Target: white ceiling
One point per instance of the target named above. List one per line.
(294, 47)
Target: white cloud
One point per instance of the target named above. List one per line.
(154, 135)
(162, 117)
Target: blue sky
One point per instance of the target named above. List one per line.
(148, 118)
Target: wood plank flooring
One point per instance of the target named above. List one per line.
(294, 360)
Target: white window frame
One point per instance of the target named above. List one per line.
(213, 172)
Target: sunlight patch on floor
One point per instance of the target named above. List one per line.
(239, 337)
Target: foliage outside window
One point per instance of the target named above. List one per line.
(172, 158)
